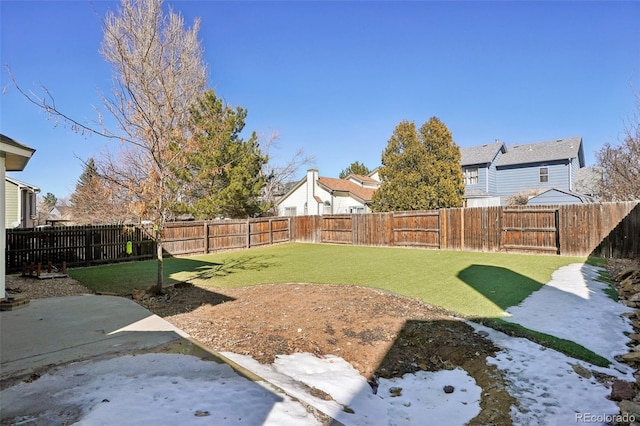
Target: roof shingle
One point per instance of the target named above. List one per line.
(365, 194)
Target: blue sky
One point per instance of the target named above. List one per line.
(335, 78)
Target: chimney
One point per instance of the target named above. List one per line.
(312, 181)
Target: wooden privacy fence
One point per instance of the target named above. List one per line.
(91, 245)
(606, 229)
(182, 238)
(77, 245)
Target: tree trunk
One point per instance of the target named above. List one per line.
(159, 280)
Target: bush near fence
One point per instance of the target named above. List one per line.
(604, 230)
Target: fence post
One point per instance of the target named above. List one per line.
(248, 234)
(205, 244)
(88, 250)
(557, 220)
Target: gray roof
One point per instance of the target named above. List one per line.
(582, 197)
(558, 149)
(480, 154)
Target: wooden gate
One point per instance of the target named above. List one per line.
(417, 229)
(336, 229)
(530, 230)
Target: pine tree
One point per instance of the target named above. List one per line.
(224, 172)
(420, 169)
(356, 168)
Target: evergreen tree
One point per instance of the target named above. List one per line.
(49, 200)
(224, 173)
(420, 169)
(96, 200)
(356, 168)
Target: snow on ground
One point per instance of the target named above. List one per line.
(353, 401)
(152, 389)
(574, 306)
(167, 389)
(547, 388)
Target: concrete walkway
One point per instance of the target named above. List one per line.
(49, 332)
(72, 346)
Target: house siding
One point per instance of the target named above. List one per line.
(344, 205)
(492, 175)
(12, 208)
(523, 177)
(295, 199)
(575, 165)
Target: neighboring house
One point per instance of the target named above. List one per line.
(317, 195)
(14, 157)
(558, 196)
(60, 215)
(20, 204)
(493, 172)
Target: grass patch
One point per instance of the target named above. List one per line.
(567, 347)
(604, 277)
(469, 283)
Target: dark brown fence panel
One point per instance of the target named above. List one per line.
(379, 229)
(184, 238)
(482, 228)
(280, 230)
(305, 229)
(336, 229)
(530, 229)
(421, 229)
(259, 233)
(610, 230)
(76, 245)
(228, 234)
(451, 237)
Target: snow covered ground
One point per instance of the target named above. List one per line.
(136, 389)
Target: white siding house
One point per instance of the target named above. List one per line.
(317, 195)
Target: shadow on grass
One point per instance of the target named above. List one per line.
(507, 289)
(501, 286)
(202, 270)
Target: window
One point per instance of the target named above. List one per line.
(471, 176)
(356, 209)
(544, 174)
(289, 211)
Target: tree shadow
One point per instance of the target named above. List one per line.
(180, 298)
(203, 270)
(433, 346)
(503, 287)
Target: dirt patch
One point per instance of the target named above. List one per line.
(379, 333)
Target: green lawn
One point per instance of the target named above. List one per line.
(469, 283)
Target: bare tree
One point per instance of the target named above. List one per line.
(97, 200)
(620, 164)
(275, 175)
(158, 73)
